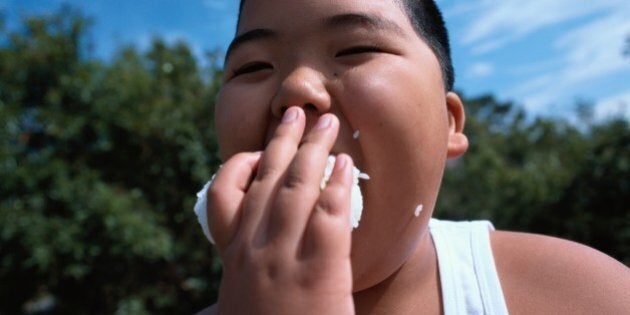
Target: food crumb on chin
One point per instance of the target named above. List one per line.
(418, 209)
(356, 134)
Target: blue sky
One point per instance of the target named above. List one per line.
(543, 54)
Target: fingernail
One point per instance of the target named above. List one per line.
(290, 115)
(340, 163)
(324, 122)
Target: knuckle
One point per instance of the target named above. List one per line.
(284, 138)
(294, 179)
(334, 194)
(265, 172)
(333, 200)
(270, 170)
(325, 205)
(314, 145)
(262, 264)
(271, 269)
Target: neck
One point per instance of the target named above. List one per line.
(413, 288)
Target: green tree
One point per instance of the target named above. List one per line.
(593, 207)
(100, 163)
(543, 175)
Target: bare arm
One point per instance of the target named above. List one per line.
(541, 274)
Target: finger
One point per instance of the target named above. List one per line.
(283, 144)
(328, 234)
(275, 159)
(300, 186)
(225, 196)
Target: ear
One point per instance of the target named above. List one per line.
(457, 140)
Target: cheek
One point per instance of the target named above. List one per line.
(241, 120)
(401, 113)
(402, 89)
(390, 99)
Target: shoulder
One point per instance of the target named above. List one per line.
(541, 274)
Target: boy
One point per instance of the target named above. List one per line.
(301, 78)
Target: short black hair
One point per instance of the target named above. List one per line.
(427, 20)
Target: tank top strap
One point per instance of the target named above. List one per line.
(468, 276)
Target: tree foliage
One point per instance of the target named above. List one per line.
(544, 176)
(100, 161)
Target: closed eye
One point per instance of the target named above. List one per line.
(251, 67)
(359, 50)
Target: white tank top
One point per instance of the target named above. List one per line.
(468, 276)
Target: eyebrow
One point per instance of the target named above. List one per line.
(333, 23)
(361, 20)
(249, 36)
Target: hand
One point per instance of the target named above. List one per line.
(285, 244)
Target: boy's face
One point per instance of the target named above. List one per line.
(362, 61)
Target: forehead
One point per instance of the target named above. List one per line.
(257, 13)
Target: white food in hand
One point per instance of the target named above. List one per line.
(200, 210)
(356, 198)
(356, 202)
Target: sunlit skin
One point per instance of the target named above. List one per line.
(300, 79)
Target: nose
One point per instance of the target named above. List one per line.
(304, 87)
